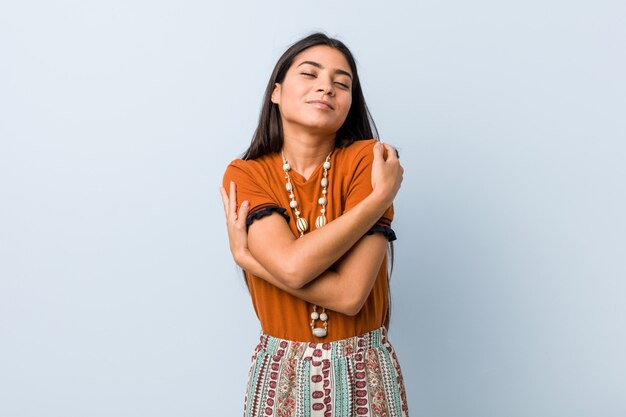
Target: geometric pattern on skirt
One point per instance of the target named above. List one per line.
(356, 376)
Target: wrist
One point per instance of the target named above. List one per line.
(380, 200)
(240, 255)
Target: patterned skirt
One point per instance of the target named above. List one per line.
(357, 376)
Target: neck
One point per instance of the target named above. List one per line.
(305, 152)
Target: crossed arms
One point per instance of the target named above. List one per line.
(334, 267)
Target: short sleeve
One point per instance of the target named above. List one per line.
(361, 186)
(250, 187)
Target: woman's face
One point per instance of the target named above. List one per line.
(319, 73)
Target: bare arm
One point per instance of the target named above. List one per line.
(303, 259)
(343, 289)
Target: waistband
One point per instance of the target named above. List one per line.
(311, 351)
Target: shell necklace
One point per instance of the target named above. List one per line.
(303, 226)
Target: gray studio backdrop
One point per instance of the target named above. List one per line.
(118, 295)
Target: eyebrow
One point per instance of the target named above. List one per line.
(318, 65)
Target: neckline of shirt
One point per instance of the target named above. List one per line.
(299, 178)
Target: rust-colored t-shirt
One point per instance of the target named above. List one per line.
(262, 182)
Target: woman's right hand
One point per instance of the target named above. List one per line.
(386, 173)
(236, 224)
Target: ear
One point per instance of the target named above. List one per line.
(275, 98)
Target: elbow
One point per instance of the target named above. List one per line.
(292, 277)
(355, 296)
(353, 305)
(352, 309)
(292, 272)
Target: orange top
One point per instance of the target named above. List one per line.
(262, 182)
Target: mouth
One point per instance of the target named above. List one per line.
(321, 104)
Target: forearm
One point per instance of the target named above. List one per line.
(327, 290)
(314, 252)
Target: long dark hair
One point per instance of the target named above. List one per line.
(359, 125)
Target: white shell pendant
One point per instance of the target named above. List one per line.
(302, 225)
(319, 332)
(320, 222)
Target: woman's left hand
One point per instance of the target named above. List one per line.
(236, 224)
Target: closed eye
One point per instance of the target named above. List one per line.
(336, 82)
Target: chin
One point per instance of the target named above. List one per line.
(323, 124)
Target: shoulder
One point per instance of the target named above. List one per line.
(251, 167)
(358, 155)
(236, 168)
(360, 147)
(247, 173)
(244, 164)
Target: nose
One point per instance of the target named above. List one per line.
(327, 87)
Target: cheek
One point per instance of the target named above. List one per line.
(295, 94)
(346, 104)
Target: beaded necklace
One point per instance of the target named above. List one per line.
(303, 226)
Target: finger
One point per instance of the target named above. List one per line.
(232, 208)
(391, 151)
(243, 211)
(224, 199)
(378, 149)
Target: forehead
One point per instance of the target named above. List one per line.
(328, 57)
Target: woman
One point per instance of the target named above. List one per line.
(311, 235)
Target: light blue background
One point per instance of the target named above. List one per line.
(118, 296)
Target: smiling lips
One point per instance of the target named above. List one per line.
(321, 104)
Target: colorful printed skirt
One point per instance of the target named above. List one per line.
(357, 376)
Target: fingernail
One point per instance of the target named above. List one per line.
(245, 203)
